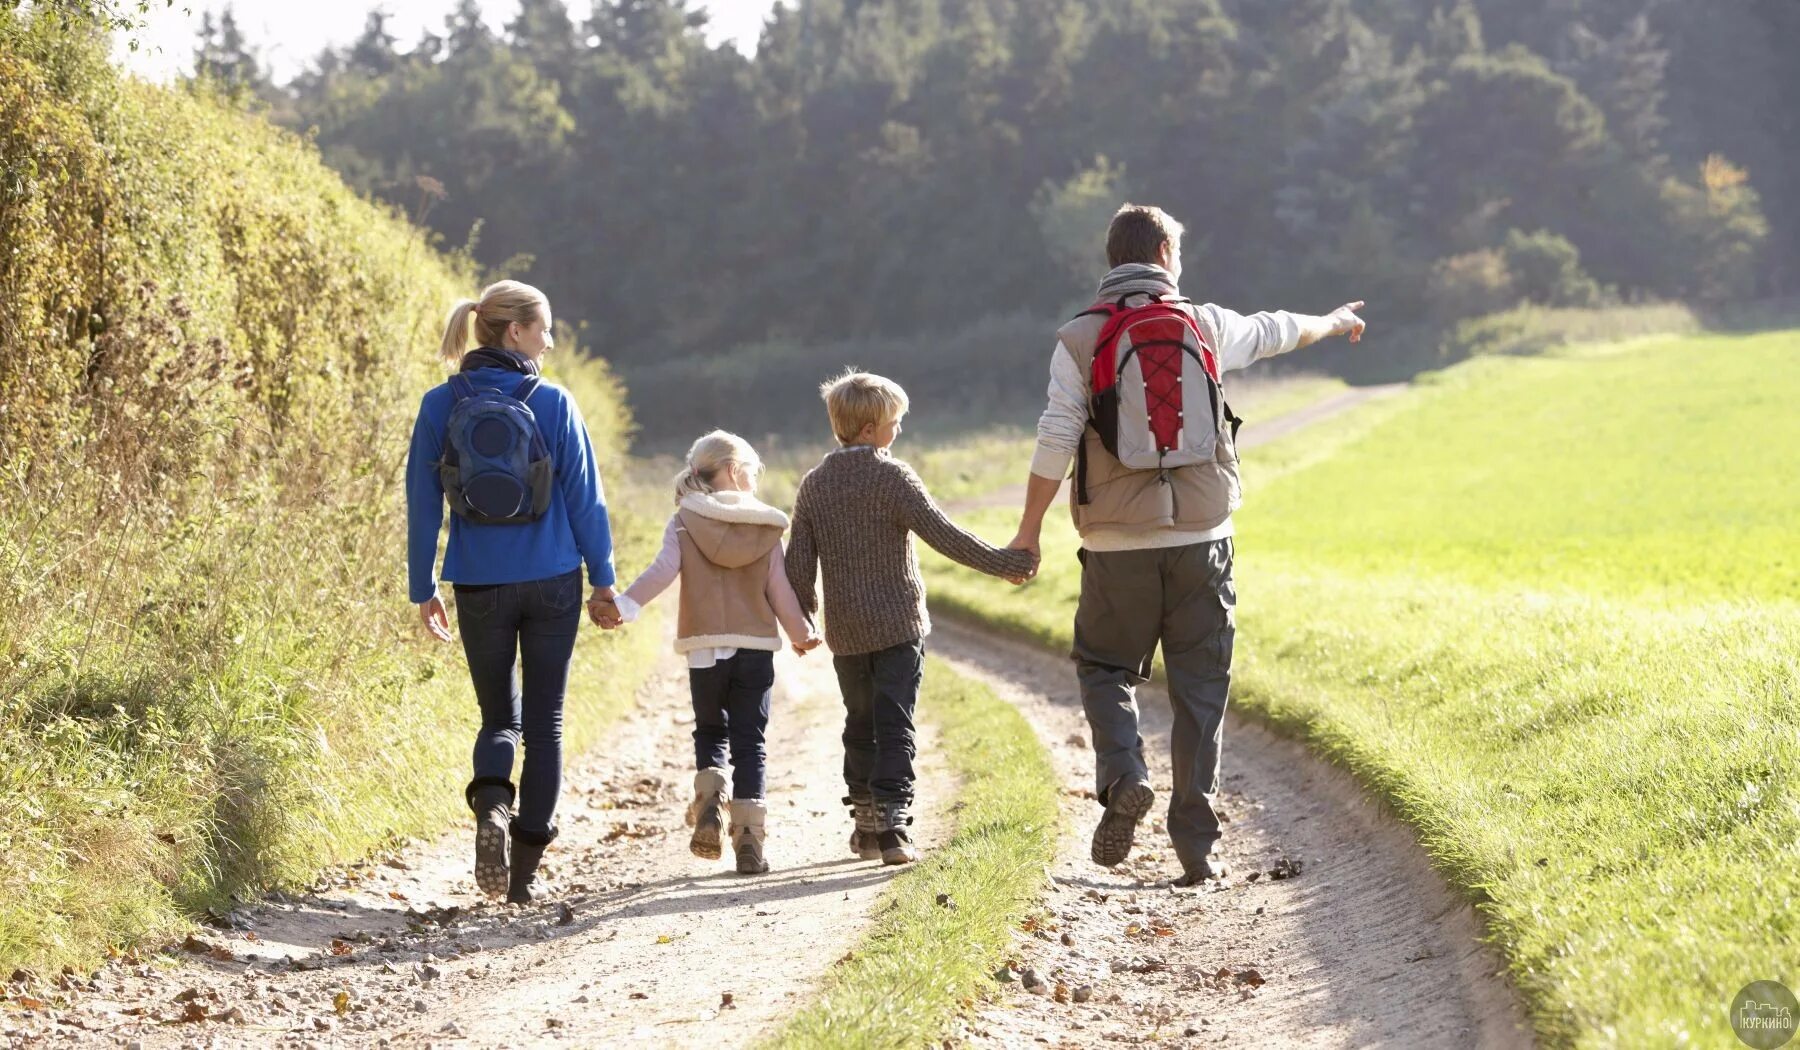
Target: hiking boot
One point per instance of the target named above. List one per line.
(491, 799)
(865, 841)
(523, 886)
(891, 821)
(1126, 803)
(1196, 874)
(706, 814)
(747, 835)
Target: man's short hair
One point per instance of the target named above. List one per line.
(857, 399)
(1138, 233)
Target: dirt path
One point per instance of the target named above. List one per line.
(1363, 945)
(1254, 434)
(640, 942)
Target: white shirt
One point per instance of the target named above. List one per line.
(1237, 341)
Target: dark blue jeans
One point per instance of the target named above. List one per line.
(731, 707)
(880, 691)
(532, 624)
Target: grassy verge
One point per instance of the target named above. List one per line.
(212, 351)
(1595, 727)
(924, 961)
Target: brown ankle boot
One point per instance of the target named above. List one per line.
(747, 817)
(865, 841)
(706, 814)
(892, 821)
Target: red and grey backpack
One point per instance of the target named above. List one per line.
(1155, 400)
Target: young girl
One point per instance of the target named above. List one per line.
(512, 455)
(725, 546)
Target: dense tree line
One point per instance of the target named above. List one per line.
(886, 167)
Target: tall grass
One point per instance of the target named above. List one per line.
(210, 355)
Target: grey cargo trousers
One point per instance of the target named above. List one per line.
(1181, 597)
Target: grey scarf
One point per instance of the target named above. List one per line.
(1136, 277)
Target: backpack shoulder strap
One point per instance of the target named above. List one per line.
(540, 449)
(461, 387)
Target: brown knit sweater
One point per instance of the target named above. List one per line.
(854, 517)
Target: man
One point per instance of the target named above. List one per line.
(1154, 512)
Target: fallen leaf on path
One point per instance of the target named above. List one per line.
(396, 895)
(341, 1003)
(31, 1003)
(1061, 993)
(1250, 977)
(222, 954)
(193, 1012)
(339, 947)
(196, 945)
(725, 1002)
(639, 995)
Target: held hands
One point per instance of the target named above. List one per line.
(602, 611)
(1344, 321)
(437, 621)
(806, 645)
(1026, 541)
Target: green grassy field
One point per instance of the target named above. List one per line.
(1546, 606)
(925, 959)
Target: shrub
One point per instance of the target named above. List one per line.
(1469, 284)
(1546, 269)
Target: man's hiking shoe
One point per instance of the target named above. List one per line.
(747, 835)
(706, 814)
(1205, 871)
(891, 835)
(491, 800)
(865, 838)
(1126, 804)
(522, 886)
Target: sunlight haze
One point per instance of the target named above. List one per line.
(289, 36)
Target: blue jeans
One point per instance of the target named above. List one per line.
(532, 624)
(731, 707)
(880, 691)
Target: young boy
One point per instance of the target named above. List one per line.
(854, 517)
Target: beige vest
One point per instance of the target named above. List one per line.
(1193, 498)
(727, 539)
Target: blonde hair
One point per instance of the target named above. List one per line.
(858, 399)
(501, 303)
(708, 457)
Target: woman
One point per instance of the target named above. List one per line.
(512, 457)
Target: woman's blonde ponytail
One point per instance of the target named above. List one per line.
(501, 304)
(456, 333)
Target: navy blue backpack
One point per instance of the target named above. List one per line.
(496, 468)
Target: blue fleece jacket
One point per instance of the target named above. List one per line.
(575, 528)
